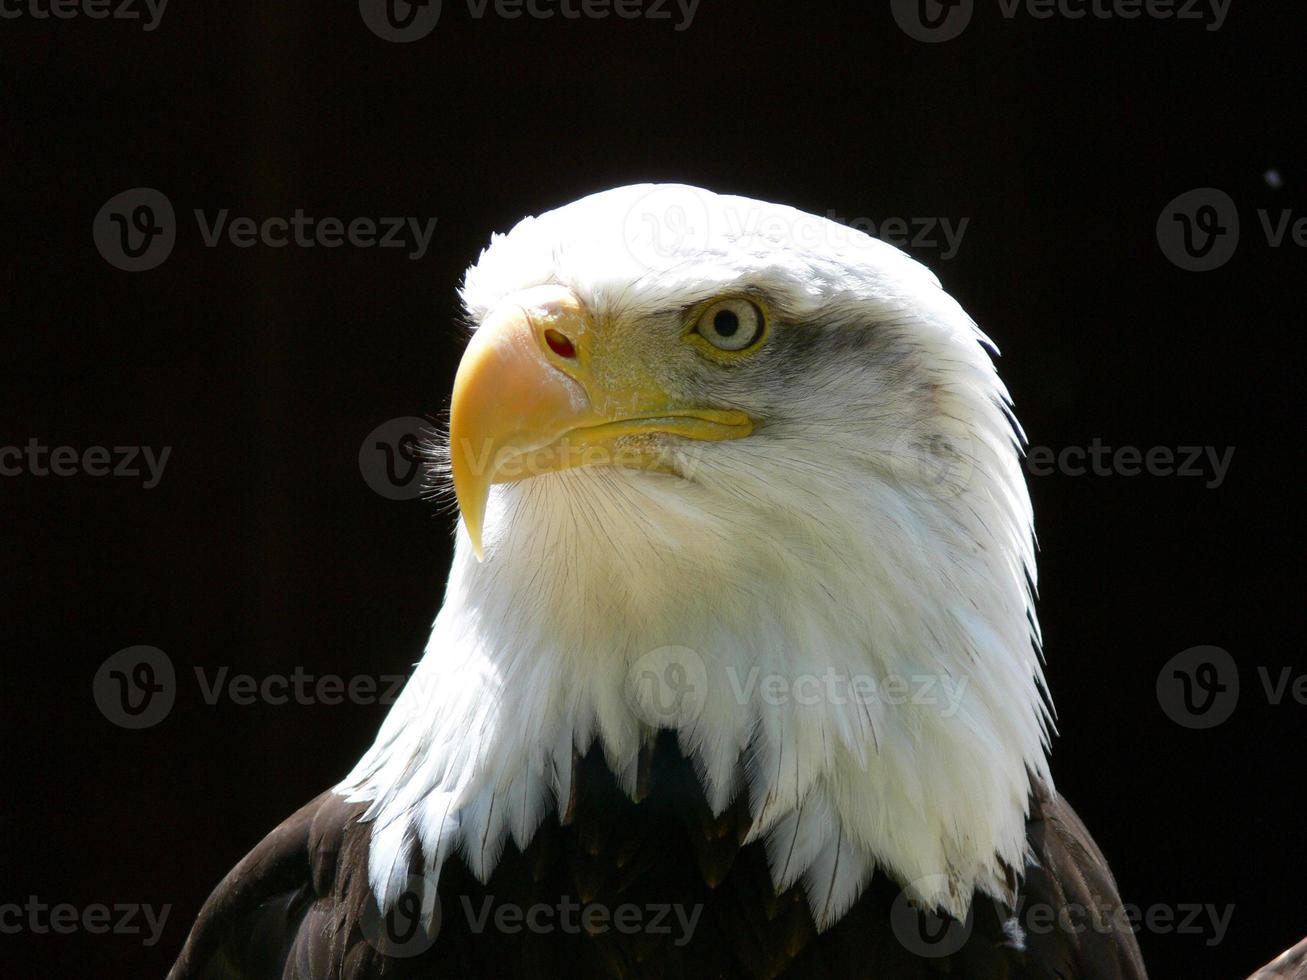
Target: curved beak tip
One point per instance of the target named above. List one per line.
(474, 536)
(472, 494)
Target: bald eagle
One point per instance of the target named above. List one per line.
(738, 671)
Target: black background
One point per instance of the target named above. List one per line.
(263, 549)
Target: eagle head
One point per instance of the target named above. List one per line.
(703, 432)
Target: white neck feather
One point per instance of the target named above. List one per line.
(863, 669)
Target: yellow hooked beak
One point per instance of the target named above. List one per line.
(529, 399)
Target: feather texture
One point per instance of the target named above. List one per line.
(700, 903)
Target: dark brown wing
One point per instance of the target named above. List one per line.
(700, 900)
(1070, 875)
(290, 908)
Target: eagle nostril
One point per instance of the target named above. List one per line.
(560, 344)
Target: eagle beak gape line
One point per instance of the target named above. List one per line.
(532, 396)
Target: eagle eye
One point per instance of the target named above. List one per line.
(731, 324)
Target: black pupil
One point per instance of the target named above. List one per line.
(726, 323)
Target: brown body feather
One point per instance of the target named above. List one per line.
(298, 907)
